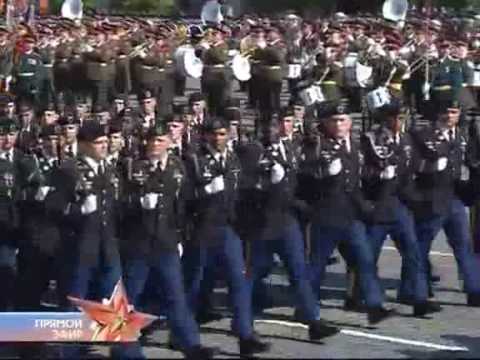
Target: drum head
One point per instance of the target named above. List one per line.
(241, 68)
(364, 74)
(192, 64)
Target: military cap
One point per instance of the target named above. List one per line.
(332, 108)
(50, 130)
(215, 123)
(90, 131)
(8, 126)
(159, 129)
(195, 97)
(146, 94)
(6, 98)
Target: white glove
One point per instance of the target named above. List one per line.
(216, 185)
(149, 201)
(277, 174)
(442, 163)
(388, 173)
(180, 249)
(42, 193)
(89, 205)
(335, 167)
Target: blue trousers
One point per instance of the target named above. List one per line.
(168, 278)
(229, 254)
(456, 226)
(8, 270)
(290, 247)
(325, 239)
(414, 285)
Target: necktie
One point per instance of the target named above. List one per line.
(222, 160)
(8, 157)
(101, 168)
(344, 145)
(451, 135)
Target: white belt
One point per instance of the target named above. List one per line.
(48, 65)
(26, 74)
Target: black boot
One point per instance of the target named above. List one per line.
(424, 308)
(473, 300)
(354, 305)
(378, 314)
(253, 345)
(318, 330)
(200, 352)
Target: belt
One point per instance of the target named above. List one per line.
(396, 86)
(329, 82)
(26, 74)
(63, 60)
(217, 66)
(273, 67)
(122, 56)
(146, 67)
(48, 65)
(442, 88)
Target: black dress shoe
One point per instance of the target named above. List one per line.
(424, 308)
(318, 330)
(378, 314)
(435, 278)
(200, 352)
(473, 300)
(253, 345)
(353, 305)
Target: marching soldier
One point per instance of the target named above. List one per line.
(29, 130)
(387, 181)
(11, 180)
(273, 226)
(6, 60)
(69, 125)
(154, 207)
(338, 208)
(443, 187)
(39, 256)
(85, 191)
(213, 174)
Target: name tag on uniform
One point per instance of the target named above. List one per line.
(32, 62)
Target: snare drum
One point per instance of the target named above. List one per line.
(294, 71)
(377, 98)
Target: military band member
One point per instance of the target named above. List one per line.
(213, 172)
(443, 187)
(216, 76)
(339, 208)
(154, 202)
(27, 72)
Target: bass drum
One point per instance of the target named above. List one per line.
(357, 74)
(241, 68)
(188, 64)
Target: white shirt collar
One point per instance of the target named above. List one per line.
(94, 164)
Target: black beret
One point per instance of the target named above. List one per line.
(146, 94)
(68, 119)
(173, 118)
(50, 130)
(442, 106)
(332, 108)
(195, 97)
(286, 112)
(8, 126)
(90, 131)
(394, 108)
(25, 106)
(158, 130)
(115, 127)
(215, 123)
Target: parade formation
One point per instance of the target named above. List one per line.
(105, 174)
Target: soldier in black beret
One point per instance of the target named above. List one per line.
(11, 186)
(70, 125)
(214, 171)
(338, 207)
(148, 114)
(154, 211)
(29, 130)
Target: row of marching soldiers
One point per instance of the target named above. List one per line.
(87, 204)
